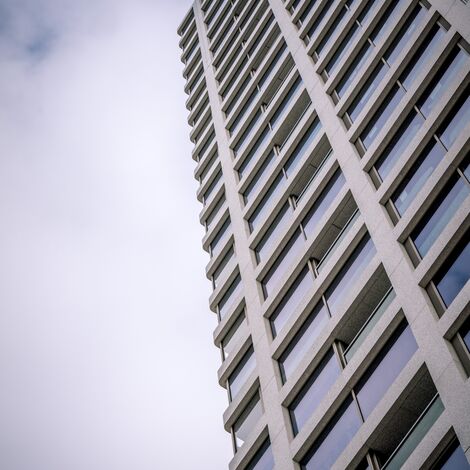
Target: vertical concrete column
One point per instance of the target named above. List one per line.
(259, 328)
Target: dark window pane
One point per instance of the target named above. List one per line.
(303, 340)
(439, 214)
(441, 82)
(314, 390)
(349, 274)
(465, 333)
(241, 373)
(400, 141)
(302, 285)
(385, 369)
(455, 272)
(417, 176)
(334, 439)
(247, 420)
(263, 460)
(460, 117)
(453, 459)
(323, 202)
(381, 115)
(302, 146)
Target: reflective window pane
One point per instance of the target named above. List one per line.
(232, 295)
(385, 369)
(459, 119)
(303, 340)
(439, 214)
(454, 274)
(314, 390)
(247, 420)
(321, 205)
(241, 373)
(400, 141)
(351, 271)
(302, 285)
(440, 84)
(381, 116)
(334, 439)
(417, 176)
(263, 459)
(453, 459)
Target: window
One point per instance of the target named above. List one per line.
(263, 459)
(350, 272)
(214, 212)
(300, 287)
(227, 300)
(303, 340)
(385, 369)
(247, 421)
(453, 274)
(265, 245)
(367, 393)
(283, 262)
(381, 116)
(241, 373)
(397, 146)
(325, 8)
(417, 176)
(221, 267)
(334, 439)
(258, 177)
(312, 393)
(452, 459)
(236, 331)
(457, 121)
(321, 205)
(215, 244)
(436, 218)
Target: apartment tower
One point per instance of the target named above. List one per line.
(332, 142)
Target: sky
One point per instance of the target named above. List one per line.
(106, 352)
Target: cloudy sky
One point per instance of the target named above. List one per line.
(106, 354)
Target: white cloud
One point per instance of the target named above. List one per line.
(105, 332)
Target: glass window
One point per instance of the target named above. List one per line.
(340, 18)
(457, 121)
(247, 420)
(232, 294)
(465, 333)
(314, 390)
(266, 202)
(241, 373)
(249, 161)
(349, 274)
(283, 262)
(404, 35)
(215, 244)
(453, 459)
(247, 132)
(265, 246)
(400, 141)
(454, 274)
(385, 369)
(303, 340)
(441, 82)
(302, 146)
(381, 115)
(319, 19)
(214, 212)
(367, 90)
(236, 331)
(422, 56)
(301, 286)
(324, 201)
(439, 214)
(221, 266)
(286, 101)
(263, 460)
(255, 182)
(417, 176)
(334, 439)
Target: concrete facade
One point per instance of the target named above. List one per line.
(332, 144)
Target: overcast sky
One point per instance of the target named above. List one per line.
(106, 353)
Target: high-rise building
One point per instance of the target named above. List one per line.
(332, 142)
